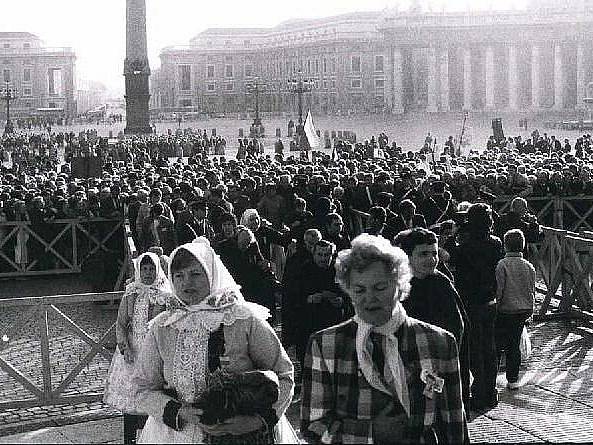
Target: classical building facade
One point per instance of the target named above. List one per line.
(43, 77)
(390, 61)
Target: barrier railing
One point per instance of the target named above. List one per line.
(39, 350)
(130, 252)
(58, 247)
(562, 212)
(565, 263)
(563, 260)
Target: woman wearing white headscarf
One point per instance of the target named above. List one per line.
(144, 299)
(183, 348)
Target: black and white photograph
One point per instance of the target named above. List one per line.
(282, 222)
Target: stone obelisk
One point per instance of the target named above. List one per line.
(136, 69)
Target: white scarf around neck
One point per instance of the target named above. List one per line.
(395, 376)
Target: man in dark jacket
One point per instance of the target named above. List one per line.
(159, 230)
(408, 218)
(475, 265)
(302, 255)
(321, 303)
(433, 298)
(334, 232)
(519, 218)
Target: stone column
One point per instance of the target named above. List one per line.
(467, 79)
(558, 77)
(136, 69)
(388, 87)
(535, 76)
(513, 78)
(581, 87)
(489, 62)
(397, 106)
(432, 81)
(445, 80)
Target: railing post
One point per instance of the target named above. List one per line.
(74, 247)
(558, 212)
(45, 363)
(21, 247)
(568, 271)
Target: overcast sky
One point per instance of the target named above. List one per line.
(96, 28)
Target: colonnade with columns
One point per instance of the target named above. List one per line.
(519, 58)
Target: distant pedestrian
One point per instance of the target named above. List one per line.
(143, 299)
(515, 298)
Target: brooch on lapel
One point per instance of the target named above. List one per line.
(432, 383)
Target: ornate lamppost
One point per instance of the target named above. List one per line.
(257, 130)
(8, 94)
(298, 86)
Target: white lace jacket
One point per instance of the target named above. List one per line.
(176, 356)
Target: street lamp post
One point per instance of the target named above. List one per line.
(257, 129)
(8, 94)
(298, 86)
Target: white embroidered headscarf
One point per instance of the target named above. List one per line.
(224, 293)
(160, 290)
(394, 371)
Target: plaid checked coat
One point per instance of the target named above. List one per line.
(338, 404)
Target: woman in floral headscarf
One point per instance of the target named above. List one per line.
(214, 327)
(144, 299)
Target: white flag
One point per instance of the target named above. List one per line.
(310, 131)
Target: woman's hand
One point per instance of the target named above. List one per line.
(189, 414)
(235, 426)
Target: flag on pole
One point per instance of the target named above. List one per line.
(310, 131)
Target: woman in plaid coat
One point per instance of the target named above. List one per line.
(381, 377)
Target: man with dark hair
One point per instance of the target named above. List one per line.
(156, 197)
(519, 217)
(297, 259)
(200, 223)
(475, 265)
(218, 205)
(384, 200)
(408, 218)
(320, 302)
(334, 231)
(159, 230)
(433, 297)
(376, 221)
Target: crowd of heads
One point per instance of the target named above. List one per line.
(322, 184)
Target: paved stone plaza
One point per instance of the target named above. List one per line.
(554, 405)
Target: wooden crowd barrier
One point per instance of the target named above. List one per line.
(574, 213)
(67, 244)
(563, 260)
(130, 253)
(42, 310)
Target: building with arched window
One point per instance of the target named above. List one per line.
(43, 77)
(391, 61)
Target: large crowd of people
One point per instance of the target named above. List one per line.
(283, 229)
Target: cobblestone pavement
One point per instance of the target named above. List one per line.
(555, 404)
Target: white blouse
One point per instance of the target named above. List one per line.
(175, 356)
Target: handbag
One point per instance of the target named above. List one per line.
(525, 344)
(230, 394)
(248, 393)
